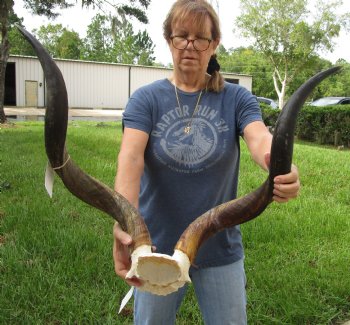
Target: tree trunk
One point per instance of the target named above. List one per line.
(3, 63)
(282, 94)
(280, 86)
(5, 7)
(276, 79)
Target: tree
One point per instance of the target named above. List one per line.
(59, 41)
(98, 41)
(287, 33)
(124, 44)
(69, 45)
(252, 62)
(120, 46)
(18, 44)
(337, 85)
(5, 11)
(131, 48)
(134, 8)
(144, 49)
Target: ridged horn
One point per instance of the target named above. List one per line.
(83, 186)
(252, 205)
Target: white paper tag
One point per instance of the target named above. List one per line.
(49, 178)
(126, 299)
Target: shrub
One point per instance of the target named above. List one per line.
(324, 124)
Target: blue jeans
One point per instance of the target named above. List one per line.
(220, 292)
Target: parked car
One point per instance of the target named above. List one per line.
(267, 101)
(326, 101)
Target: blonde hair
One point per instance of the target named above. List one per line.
(198, 11)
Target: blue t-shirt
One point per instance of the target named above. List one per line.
(187, 174)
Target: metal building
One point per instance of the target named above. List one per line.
(89, 84)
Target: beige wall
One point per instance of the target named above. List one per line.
(94, 84)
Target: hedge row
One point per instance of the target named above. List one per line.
(324, 125)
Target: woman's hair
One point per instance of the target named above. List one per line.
(197, 11)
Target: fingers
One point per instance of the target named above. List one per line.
(286, 186)
(121, 235)
(121, 255)
(285, 192)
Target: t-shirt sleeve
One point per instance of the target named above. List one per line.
(138, 112)
(247, 109)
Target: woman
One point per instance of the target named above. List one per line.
(179, 157)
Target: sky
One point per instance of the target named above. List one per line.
(78, 19)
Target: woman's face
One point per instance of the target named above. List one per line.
(190, 60)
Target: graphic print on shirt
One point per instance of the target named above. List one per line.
(194, 151)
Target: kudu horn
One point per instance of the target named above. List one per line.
(161, 274)
(77, 182)
(250, 206)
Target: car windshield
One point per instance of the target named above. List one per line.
(325, 101)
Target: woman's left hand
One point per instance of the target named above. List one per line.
(286, 186)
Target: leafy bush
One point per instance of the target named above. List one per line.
(324, 124)
(270, 115)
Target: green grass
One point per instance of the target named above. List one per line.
(56, 254)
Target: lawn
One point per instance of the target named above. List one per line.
(56, 254)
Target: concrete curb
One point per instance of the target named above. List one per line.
(28, 111)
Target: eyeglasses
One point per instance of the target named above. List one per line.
(199, 44)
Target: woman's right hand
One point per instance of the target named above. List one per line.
(121, 255)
